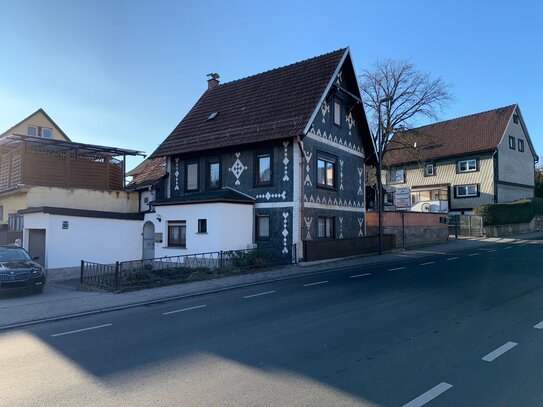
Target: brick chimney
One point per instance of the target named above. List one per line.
(213, 80)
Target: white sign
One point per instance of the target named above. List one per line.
(402, 198)
(397, 176)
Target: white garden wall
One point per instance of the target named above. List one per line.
(99, 240)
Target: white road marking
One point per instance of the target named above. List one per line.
(429, 395)
(539, 326)
(317, 283)
(259, 294)
(81, 330)
(397, 268)
(500, 351)
(473, 254)
(360, 275)
(452, 258)
(183, 309)
(506, 248)
(427, 263)
(491, 251)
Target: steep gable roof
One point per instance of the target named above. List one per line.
(40, 110)
(464, 135)
(272, 105)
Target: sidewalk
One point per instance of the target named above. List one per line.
(61, 299)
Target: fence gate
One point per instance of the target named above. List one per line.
(148, 240)
(466, 225)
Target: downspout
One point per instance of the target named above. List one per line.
(496, 174)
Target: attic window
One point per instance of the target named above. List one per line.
(515, 118)
(212, 115)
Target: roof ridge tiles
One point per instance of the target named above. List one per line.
(340, 50)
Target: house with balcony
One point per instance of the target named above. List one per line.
(55, 192)
(460, 164)
(272, 160)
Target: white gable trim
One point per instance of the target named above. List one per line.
(328, 87)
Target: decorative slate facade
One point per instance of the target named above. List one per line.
(327, 120)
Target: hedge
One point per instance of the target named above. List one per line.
(522, 211)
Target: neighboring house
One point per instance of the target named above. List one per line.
(38, 124)
(149, 180)
(273, 159)
(51, 188)
(460, 164)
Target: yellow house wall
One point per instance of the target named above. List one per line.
(79, 198)
(39, 120)
(445, 174)
(11, 204)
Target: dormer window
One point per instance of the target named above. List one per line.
(212, 115)
(32, 131)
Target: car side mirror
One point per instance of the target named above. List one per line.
(36, 258)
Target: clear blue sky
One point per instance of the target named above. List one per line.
(124, 73)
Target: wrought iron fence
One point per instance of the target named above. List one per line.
(135, 274)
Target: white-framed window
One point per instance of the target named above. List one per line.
(429, 170)
(467, 165)
(337, 112)
(32, 131)
(466, 191)
(46, 132)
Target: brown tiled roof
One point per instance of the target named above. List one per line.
(464, 135)
(152, 172)
(271, 105)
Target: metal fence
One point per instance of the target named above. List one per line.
(136, 274)
(465, 225)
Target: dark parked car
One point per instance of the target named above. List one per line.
(19, 271)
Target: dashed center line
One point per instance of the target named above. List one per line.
(473, 254)
(81, 330)
(451, 258)
(429, 395)
(360, 275)
(539, 326)
(259, 294)
(184, 309)
(397, 268)
(491, 251)
(500, 351)
(427, 263)
(507, 248)
(316, 283)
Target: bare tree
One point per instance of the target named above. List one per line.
(414, 95)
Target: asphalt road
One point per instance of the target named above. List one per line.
(448, 330)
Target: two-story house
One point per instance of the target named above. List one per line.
(272, 159)
(460, 164)
(56, 195)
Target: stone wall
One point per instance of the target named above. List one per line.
(536, 225)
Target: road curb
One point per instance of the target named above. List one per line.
(221, 289)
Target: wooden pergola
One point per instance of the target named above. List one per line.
(27, 160)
